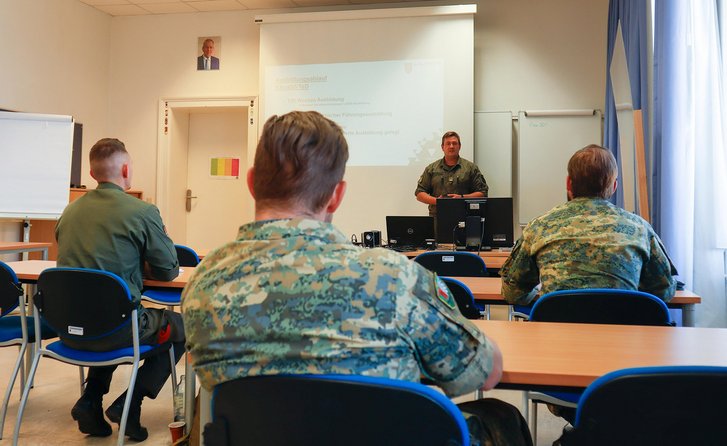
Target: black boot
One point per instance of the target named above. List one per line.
(134, 430)
(89, 414)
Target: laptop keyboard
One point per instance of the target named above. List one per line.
(403, 248)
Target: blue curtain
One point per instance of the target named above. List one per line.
(632, 14)
(670, 77)
(690, 146)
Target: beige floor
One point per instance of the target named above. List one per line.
(47, 419)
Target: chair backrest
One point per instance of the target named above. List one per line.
(453, 263)
(10, 289)
(83, 304)
(675, 405)
(464, 298)
(601, 306)
(186, 256)
(328, 410)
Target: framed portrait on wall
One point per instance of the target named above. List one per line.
(209, 52)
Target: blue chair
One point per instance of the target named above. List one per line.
(86, 305)
(453, 263)
(328, 410)
(457, 264)
(675, 405)
(14, 330)
(171, 297)
(591, 306)
(464, 298)
(166, 296)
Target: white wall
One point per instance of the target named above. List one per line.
(154, 57)
(528, 54)
(533, 54)
(55, 60)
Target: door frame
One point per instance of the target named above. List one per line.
(166, 107)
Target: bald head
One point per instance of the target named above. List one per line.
(110, 162)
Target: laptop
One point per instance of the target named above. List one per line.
(409, 233)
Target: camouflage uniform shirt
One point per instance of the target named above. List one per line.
(587, 243)
(294, 296)
(440, 179)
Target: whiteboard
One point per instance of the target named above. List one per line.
(493, 150)
(35, 171)
(547, 141)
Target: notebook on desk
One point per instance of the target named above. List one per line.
(409, 233)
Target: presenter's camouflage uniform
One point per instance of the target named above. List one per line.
(440, 179)
(587, 243)
(294, 296)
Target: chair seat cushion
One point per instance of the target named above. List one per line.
(165, 297)
(10, 330)
(62, 349)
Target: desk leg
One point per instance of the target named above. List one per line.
(688, 311)
(205, 411)
(189, 392)
(30, 351)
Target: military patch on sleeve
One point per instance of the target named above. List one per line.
(444, 295)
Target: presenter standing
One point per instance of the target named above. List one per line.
(207, 61)
(452, 176)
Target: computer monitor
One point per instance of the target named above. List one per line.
(475, 223)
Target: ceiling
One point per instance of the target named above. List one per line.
(148, 7)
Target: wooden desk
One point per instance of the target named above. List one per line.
(488, 289)
(493, 259)
(18, 247)
(29, 270)
(541, 354)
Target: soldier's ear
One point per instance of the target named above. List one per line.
(569, 188)
(336, 198)
(251, 181)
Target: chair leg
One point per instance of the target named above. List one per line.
(526, 406)
(173, 375)
(11, 384)
(534, 426)
(22, 370)
(127, 404)
(82, 378)
(24, 398)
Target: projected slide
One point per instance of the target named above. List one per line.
(391, 111)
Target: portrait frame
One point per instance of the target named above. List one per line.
(215, 61)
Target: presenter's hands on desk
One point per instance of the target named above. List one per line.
(451, 196)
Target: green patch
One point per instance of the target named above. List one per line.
(444, 295)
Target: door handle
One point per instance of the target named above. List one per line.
(188, 200)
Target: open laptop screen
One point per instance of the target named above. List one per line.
(409, 231)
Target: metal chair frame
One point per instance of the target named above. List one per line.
(122, 314)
